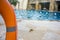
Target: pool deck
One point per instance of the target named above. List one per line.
(35, 30)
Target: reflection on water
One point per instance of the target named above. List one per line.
(37, 15)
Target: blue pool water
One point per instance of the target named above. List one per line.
(37, 15)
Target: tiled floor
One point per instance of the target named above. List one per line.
(39, 30)
(35, 30)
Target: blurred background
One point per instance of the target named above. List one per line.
(37, 9)
(31, 4)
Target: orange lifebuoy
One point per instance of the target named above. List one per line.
(8, 15)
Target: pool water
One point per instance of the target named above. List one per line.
(37, 15)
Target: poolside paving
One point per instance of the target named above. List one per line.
(34, 30)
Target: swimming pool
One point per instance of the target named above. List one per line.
(37, 15)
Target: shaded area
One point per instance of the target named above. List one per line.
(58, 3)
(45, 5)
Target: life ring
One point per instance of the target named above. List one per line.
(8, 15)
